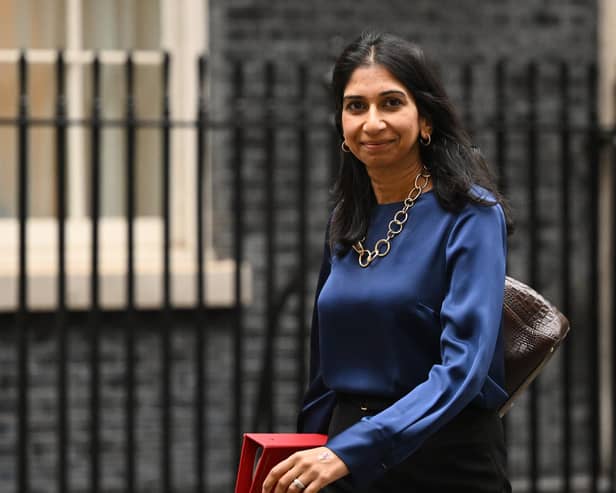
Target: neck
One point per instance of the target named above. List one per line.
(393, 184)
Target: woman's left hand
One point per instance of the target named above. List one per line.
(307, 471)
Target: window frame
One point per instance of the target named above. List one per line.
(184, 37)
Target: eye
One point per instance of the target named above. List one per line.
(393, 102)
(354, 106)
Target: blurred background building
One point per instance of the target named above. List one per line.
(165, 168)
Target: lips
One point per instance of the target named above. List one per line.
(376, 144)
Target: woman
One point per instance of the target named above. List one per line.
(407, 352)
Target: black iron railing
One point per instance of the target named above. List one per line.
(256, 390)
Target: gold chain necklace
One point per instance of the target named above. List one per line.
(382, 247)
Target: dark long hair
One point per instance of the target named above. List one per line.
(455, 165)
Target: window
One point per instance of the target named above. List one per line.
(111, 29)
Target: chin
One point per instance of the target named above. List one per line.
(373, 162)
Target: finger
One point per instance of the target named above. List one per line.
(275, 474)
(296, 480)
(317, 483)
(298, 484)
(314, 487)
(268, 483)
(282, 467)
(316, 479)
(285, 483)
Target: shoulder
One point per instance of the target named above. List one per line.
(482, 215)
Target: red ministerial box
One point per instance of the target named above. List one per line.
(274, 447)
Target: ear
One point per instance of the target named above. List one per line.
(425, 126)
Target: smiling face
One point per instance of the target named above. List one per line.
(380, 121)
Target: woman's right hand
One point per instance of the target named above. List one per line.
(307, 471)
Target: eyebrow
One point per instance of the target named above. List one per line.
(384, 93)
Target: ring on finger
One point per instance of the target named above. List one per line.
(298, 484)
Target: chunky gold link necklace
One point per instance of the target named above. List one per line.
(382, 247)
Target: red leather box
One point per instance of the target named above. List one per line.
(273, 447)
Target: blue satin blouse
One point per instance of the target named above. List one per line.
(421, 325)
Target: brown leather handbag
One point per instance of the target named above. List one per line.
(533, 330)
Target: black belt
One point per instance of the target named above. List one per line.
(474, 422)
(365, 403)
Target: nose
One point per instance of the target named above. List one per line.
(374, 121)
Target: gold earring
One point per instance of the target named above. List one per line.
(425, 141)
(344, 146)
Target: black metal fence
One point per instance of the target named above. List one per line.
(546, 147)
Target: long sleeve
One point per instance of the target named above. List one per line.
(319, 401)
(470, 318)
